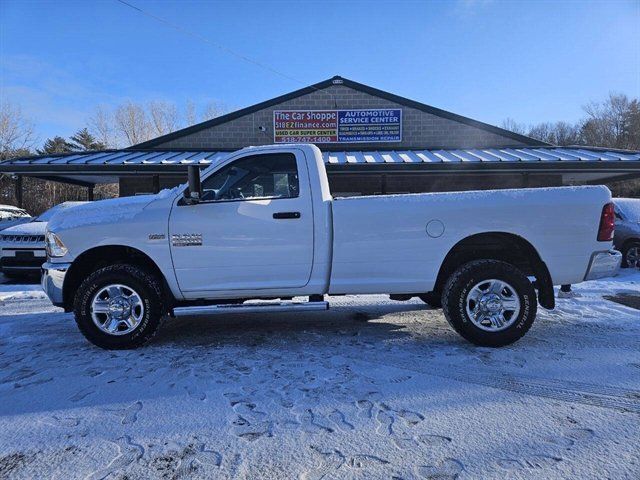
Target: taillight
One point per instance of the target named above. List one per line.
(607, 223)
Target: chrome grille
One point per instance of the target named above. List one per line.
(22, 238)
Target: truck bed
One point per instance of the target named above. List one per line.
(406, 236)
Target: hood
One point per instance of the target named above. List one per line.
(114, 210)
(31, 228)
(102, 211)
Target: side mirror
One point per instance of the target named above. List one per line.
(194, 192)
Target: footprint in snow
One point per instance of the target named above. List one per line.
(340, 420)
(194, 455)
(193, 393)
(82, 394)
(131, 413)
(248, 409)
(251, 431)
(411, 418)
(400, 379)
(365, 461)
(128, 453)
(448, 469)
(326, 465)
(385, 423)
(365, 407)
(571, 436)
(310, 423)
(66, 422)
(533, 462)
(433, 440)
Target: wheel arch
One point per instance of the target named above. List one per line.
(508, 247)
(629, 241)
(102, 256)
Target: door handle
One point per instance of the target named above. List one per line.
(283, 215)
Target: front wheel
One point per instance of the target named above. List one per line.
(119, 307)
(489, 302)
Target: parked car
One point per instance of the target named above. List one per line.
(22, 247)
(263, 225)
(10, 216)
(627, 235)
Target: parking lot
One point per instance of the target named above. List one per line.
(372, 389)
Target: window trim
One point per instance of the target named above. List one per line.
(182, 202)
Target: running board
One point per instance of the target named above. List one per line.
(264, 307)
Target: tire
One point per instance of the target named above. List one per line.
(433, 299)
(146, 316)
(478, 279)
(630, 248)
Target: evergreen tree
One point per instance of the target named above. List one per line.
(82, 140)
(56, 144)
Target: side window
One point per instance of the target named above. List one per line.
(259, 176)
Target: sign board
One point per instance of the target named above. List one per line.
(337, 126)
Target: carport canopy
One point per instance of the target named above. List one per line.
(575, 164)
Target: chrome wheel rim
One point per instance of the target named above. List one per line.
(117, 309)
(633, 257)
(492, 305)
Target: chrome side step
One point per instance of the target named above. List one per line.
(262, 307)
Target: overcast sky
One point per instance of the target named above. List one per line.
(533, 62)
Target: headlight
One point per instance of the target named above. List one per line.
(55, 247)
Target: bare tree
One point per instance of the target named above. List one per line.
(163, 117)
(213, 109)
(612, 123)
(513, 126)
(190, 115)
(132, 122)
(101, 125)
(16, 131)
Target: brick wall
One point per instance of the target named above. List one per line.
(420, 129)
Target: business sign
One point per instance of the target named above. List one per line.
(337, 126)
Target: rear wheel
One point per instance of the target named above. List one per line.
(119, 307)
(489, 302)
(631, 255)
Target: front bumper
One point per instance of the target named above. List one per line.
(53, 280)
(21, 264)
(603, 264)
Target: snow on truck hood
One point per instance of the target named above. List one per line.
(103, 211)
(30, 228)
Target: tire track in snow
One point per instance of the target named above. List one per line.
(615, 398)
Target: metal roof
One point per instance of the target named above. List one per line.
(141, 158)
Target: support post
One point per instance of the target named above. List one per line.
(18, 191)
(156, 183)
(90, 193)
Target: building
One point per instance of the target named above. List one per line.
(373, 142)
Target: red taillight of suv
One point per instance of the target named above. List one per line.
(607, 223)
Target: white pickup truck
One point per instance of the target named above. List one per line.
(262, 228)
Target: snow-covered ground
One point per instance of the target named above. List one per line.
(371, 389)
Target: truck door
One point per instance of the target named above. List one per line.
(252, 230)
